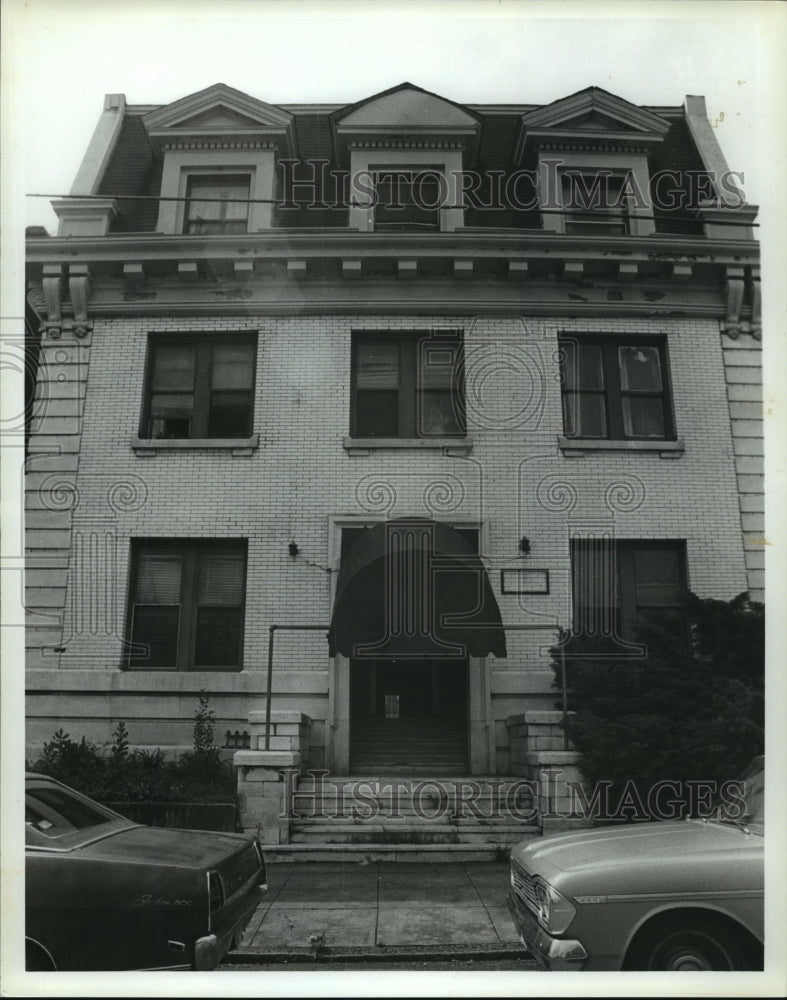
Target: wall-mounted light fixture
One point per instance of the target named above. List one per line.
(524, 546)
(293, 549)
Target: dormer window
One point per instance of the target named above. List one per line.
(594, 204)
(407, 199)
(217, 204)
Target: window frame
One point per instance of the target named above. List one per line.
(190, 549)
(578, 221)
(433, 225)
(203, 343)
(409, 393)
(216, 176)
(612, 392)
(623, 553)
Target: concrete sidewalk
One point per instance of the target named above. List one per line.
(382, 910)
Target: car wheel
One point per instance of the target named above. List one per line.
(707, 947)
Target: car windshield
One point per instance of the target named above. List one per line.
(747, 806)
(754, 797)
(55, 811)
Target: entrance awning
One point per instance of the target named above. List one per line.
(414, 588)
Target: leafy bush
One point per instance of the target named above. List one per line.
(692, 710)
(123, 775)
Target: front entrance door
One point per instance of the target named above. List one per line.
(408, 716)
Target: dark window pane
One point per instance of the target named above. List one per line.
(640, 369)
(173, 367)
(217, 205)
(377, 414)
(643, 416)
(230, 414)
(156, 626)
(582, 366)
(657, 577)
(218, 637)
(407, 200)
(585, 415)
(377, 365)
(158, 577)
(438, 416)
(595, 587)
(220, 577)
(232, 366)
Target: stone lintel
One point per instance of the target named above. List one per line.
(273, 759)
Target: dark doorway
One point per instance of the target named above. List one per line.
(408, 716)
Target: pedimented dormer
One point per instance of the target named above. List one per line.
(219, 148)
(592, 142)
(406, 150)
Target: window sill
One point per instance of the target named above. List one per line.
(573, 447)
(454, 446)
(237, 446)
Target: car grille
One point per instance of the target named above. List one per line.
(524, 887)
(238, 869)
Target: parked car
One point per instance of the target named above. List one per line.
(103, 893)
(666, 895)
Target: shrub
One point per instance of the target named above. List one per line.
(692, 710)
(123, 775)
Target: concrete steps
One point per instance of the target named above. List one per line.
(366, 853)
(435, 817)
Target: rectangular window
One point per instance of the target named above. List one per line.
(408, 199)
(217, 204)
(618, 584)
(200, 387)
(615, 388)
(407, 386)
(187, 604)
(595, 204)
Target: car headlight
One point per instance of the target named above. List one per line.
(554, 911)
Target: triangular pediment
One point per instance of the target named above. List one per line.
(404, 108)
(219, 117)
(595, 110)
(217, 108)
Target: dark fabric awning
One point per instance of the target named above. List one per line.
(414, 588)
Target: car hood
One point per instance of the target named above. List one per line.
(641, 844)
(173, 848)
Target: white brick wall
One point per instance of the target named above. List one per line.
(515, 480)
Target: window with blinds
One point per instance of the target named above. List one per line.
(617, 585)
(187, 604)
(200, 386)
(407, 385)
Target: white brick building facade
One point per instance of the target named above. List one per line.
(95, 485)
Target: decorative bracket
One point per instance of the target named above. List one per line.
(80, 286)
(53, 287)
(733, 289)
(756, 303)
